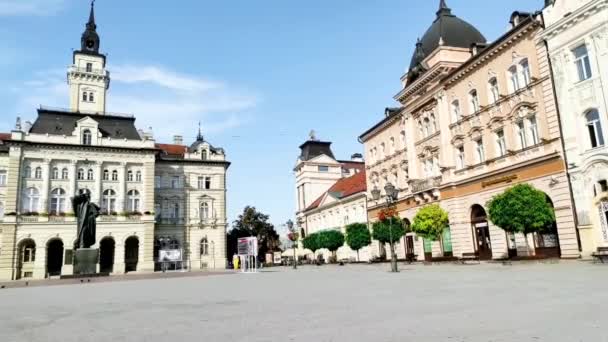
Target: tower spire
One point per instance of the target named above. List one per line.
(199, 136)
(443, 9)
(91, 24)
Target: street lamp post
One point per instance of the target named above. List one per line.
(391, 197)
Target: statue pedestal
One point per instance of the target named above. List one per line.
(85, 261)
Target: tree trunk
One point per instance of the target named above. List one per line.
(393, 259)
(358, 256)
(527, 245)
(441, 245)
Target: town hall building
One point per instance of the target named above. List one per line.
(163, 206)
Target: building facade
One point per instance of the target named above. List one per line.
(476, 117)
(157, 200)
(576, 34)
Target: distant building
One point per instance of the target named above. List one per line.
(577, 38)
(153, 197)
(330, 193)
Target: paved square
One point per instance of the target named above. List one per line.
(534, 302)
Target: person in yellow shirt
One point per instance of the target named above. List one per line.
(236, 261)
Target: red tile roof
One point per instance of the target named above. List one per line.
(171, 149)
(5, 136)
(343, 188)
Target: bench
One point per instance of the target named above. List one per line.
(601, 254)
(469, 257)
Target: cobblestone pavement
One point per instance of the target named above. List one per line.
(490, 302)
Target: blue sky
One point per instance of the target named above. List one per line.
(258, 74)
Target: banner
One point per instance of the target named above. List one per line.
(248, 246)
(170, 255)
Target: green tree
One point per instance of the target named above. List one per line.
(521, 209)
(389, 230)
(331, 240)
(358, 236)
(430, 222)
(253, 223)
(312, 242)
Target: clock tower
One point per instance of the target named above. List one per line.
(87, 77)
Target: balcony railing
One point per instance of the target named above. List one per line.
(422, 185)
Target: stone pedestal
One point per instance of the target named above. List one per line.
(85, 261)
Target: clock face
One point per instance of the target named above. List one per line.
(90, 44)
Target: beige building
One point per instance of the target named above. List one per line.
(475, 118)
(577, 38)
(159, 202)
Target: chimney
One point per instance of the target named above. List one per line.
(178, 140)
(357, 157)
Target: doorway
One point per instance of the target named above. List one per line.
(131, 254)
(54, 257)
(481, 232)
(546, 242)
(106, 255)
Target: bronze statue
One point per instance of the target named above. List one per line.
(86, 213)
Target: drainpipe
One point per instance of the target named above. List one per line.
(563, 143)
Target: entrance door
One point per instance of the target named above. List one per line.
(106, 255)
(484, 244)
(131, 254)
(54, 259)
(481, 232)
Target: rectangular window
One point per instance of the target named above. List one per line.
(481, 154)
(201, 183)
(89, 67)
(581, 60)
(525, 72)
(175, 182)
(3, 178)
(460, 157)
(603, 185)
(323, 168)
(207, 183)
(521, 133)
(533, 130)
(501, 145)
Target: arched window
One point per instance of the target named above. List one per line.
(114, 175)
(204, 154)
(514, 77)
(57, 202)
(64, 173)
(525, 72)
(129, 176)
(204, 211)
(91, 97)
(494, 92)
(473, 101)
(28, 172)
(433, 123)
(382, 150)
(138, 176)
(84, 96)
(55, 174)
(204, 246)
(403, 142)
(455, 111)
(106, 174)
(38, 173)
(133, 201)
(90, 174)
(80, 174)
(594, 127)
(108, 202)
(87, 137)
(393, 147)
(31, 200)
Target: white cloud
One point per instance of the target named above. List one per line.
(169, 102)
(30, 7)
(162, 77)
